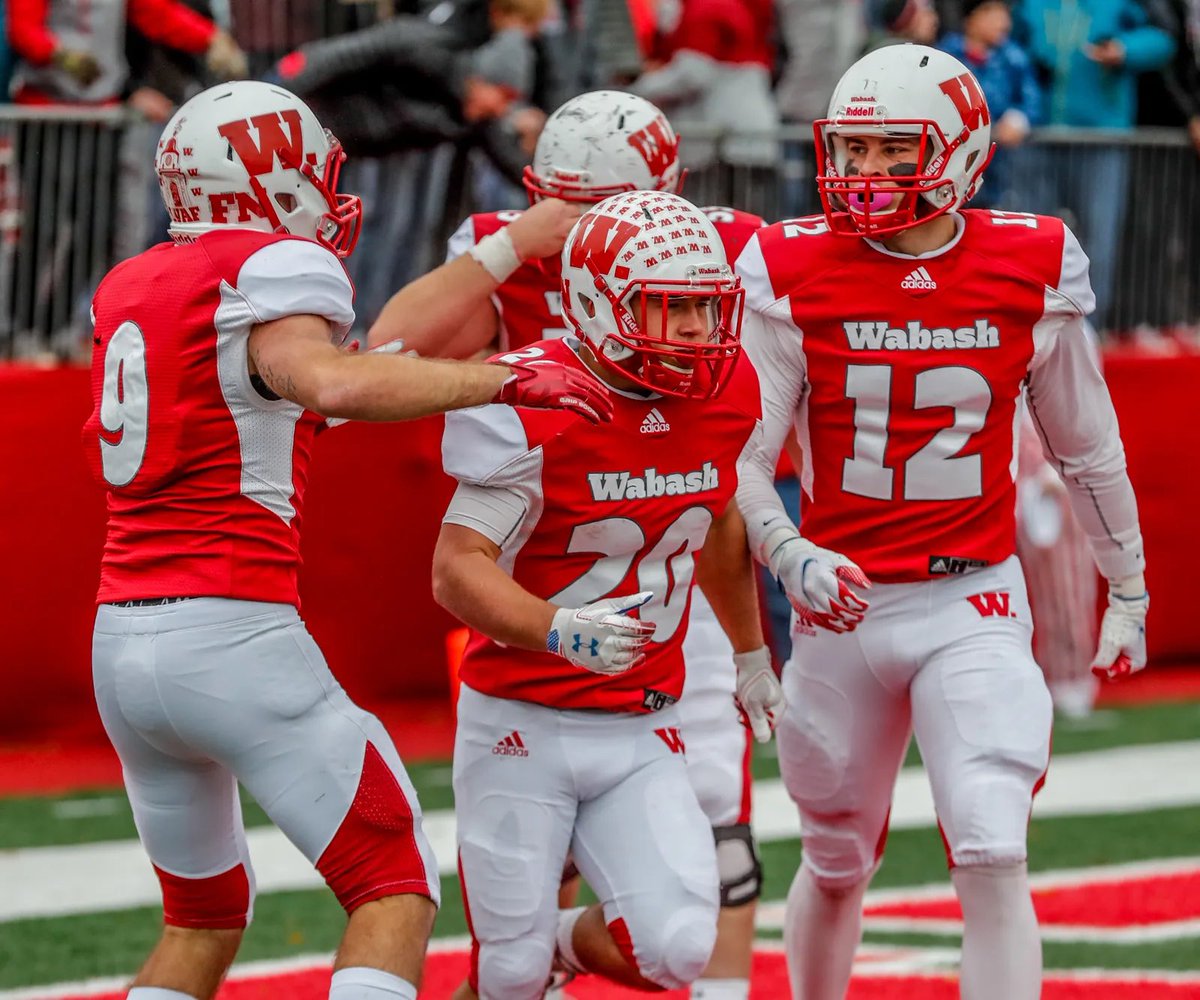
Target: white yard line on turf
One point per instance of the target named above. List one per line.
(115, 875)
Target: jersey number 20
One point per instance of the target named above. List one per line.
(666, 569)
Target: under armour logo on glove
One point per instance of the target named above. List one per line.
(593, 645)
(601, 636)
(548, 385)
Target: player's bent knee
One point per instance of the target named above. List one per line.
(376, 851)
(738, 864)
(677, 953)
(215, 902)
(514, 970)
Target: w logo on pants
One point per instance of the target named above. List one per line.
(991, 603)
(671, 737)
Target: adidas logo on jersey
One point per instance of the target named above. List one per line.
(876, 335)
(511, 746)
(655, 423)
(919, 281)
(627, 486)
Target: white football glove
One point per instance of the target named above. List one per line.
(1122, 647)
(601, 636)
(759, 693)
(816, 582)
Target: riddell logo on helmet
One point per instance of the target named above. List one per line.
(859, 112)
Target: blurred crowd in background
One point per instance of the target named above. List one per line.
(439, 103)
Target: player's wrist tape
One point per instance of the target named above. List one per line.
(775, 545)
(497, 255)
(1129, 588)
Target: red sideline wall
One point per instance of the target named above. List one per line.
(375, 499)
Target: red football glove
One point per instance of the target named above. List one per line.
(547, 385)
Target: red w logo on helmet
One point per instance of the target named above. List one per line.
(259, 158)
(655, 144)
(600, 239)
(968, 99)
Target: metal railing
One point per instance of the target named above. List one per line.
(77, 194)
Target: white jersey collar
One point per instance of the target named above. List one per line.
(960, 225)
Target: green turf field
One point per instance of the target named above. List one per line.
(75, 946)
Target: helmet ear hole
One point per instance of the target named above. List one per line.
(586, 304)
(287, 202)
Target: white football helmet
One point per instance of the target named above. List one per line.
(903, 90)
(603, 143)
(631, 249)
(249, 155)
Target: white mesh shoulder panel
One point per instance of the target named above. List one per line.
(266, 428)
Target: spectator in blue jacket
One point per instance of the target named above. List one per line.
(1008, 80)
(1089, 54)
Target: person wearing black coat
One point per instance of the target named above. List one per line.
(406, 84)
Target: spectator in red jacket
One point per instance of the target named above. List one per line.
(712, 71)
(73, 51)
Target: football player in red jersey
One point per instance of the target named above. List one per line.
(216, 358)
(902, 334)
(502, 285)
(568, 735)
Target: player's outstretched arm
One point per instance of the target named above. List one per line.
(725, 572)
(469, 584)
(297, 359)
(448, 312)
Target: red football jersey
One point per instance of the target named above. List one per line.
(609, 510)
(907, 375)
(205, 476)
(529, 303)
(734, 227)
